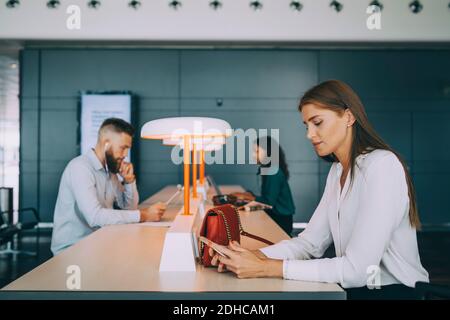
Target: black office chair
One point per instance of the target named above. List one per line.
(428, 291)
(8, 231)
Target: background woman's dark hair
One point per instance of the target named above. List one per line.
(271, 143)
(338, 96)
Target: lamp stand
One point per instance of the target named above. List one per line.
(186, 154)
(194, 171)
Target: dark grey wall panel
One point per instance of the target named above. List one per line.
(29, 125)
(407, 104)
(389, 74)
(28, 129)
(49, 185)
(433, 194)
(247, 73)
(146, 73)
(29, 65)
(431, 170)
(304, 190)
(28, 187)
(431, 132)
(58, 137)
(395, 128)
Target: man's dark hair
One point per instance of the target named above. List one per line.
(117, 125)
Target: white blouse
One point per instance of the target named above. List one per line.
(369, 225)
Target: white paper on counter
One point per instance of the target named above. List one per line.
(157, 224)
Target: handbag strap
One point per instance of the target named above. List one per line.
(245, 233)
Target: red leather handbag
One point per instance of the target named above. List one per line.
(221, 225)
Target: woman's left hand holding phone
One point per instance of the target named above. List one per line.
(245, 263)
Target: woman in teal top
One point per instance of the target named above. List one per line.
(275, 190)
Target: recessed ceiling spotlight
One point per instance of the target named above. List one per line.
(336, 5)
(296, 5)
(215, 4)
(12, 3)
(377, 4)
(135, 4)
(415, 6)
(53, 4)
(256, 5)
(174, 4)
(94, 4)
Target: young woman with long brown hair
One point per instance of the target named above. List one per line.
(368, 209)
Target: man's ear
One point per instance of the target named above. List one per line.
(107, 146)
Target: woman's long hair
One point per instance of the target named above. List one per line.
(269, 145)
(337, 96)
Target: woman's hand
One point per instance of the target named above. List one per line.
(244, 196)
(247, 264)
(215, 261)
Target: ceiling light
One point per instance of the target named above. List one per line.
(174, 4)
(53, 4)
(415, 6)
(12, 3)
(256, 5)
(215, 4)
(94, 4)
(296, 6)
(377, 4)
(134, 4)
(336, 5)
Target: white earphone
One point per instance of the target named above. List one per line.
(106, 146)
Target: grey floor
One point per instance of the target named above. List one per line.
(14, 266)
(434, 247)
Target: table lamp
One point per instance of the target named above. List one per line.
(188, 132)
(201, 145)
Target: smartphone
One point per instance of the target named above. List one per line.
(216, 247)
